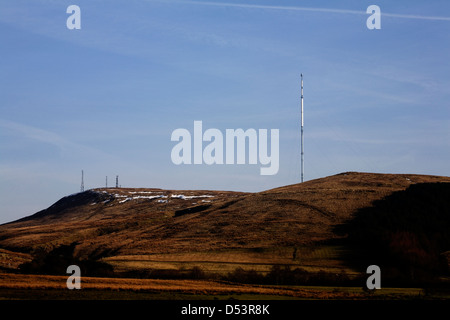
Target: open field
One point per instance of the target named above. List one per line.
(309, 258)
(13, 286)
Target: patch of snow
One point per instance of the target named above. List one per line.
(142, 197)
(150, 197)
(182, 196)
(140, 192)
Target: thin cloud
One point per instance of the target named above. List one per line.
(66, 147)
(325, 10)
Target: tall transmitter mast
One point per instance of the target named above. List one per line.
(302, 164)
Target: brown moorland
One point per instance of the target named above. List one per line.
(135, 229)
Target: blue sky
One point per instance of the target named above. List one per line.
(105, 99)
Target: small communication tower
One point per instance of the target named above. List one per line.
(82, 181)
(117, 181)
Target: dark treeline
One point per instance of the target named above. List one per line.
(57, 260)
(285, 275)
(278, 275)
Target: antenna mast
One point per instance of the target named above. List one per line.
(117, 181)
(82, 181)
(302, 164)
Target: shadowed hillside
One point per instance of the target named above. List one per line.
(407, 233)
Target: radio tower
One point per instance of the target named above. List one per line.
(117, 181)
(302, 164)
(82, 181)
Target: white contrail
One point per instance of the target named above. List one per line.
(257, 6)
(410, 16)
(290, 8)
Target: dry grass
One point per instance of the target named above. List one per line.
(12, 260)
(195, 287)
(312, 259)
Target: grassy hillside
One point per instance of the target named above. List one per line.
(315, 230)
